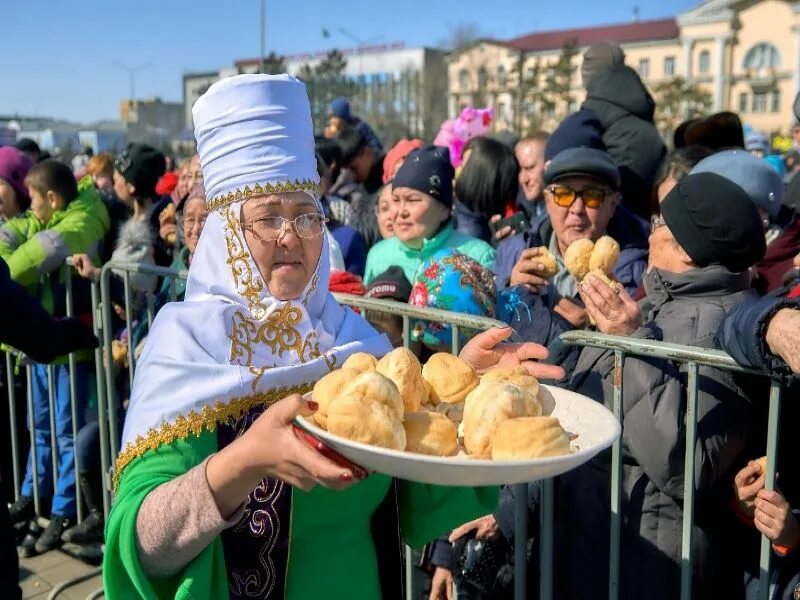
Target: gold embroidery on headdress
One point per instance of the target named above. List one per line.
(194, 423)
(247, 283)
(278, 331)
(311, 288)
(298, 185)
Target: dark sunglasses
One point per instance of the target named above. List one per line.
(565, 196)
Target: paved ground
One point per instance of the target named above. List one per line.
(41, 574)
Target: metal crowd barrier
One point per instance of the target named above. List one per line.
(692, 358)
(108, 416)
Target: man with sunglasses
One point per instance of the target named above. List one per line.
(582, 200)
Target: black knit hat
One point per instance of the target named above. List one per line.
(141, 166)
(428, 170)
(390, 285)
(715, 222)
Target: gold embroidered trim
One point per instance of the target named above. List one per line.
(279, 332)
(298, 185)
(247, 283)
(195, 423)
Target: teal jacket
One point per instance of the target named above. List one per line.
(392, 252)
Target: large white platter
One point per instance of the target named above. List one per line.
(593, 426)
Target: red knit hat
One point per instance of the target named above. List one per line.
(399, 152)
(167, 183)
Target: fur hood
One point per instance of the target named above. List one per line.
(135, 245)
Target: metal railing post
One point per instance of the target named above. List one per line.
(689, 484)
(34, 454)
(73, 393)
(102, 409)
(12, 409)
(615, 533)
(108, 360)
(520, 540)
(547, 541)
(772, 464)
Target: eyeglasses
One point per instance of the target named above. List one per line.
(190, 224)
(565, 197)
(269, 229)
(656, 221)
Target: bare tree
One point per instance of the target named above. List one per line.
(677, 100)
(460, 36)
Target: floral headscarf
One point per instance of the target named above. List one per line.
(451, 281)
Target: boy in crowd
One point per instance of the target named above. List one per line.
(63, 219)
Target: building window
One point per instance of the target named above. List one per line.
(759, 102)
(482, 78)
(705, 61)
(743, 102)
(550, 112)
(530, 107)
(532, 76)
(501, 76)
(669, 66)
(776, 101)
(762, 56)
(463, 79)
(644, 68)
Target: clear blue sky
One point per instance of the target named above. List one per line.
(58, 56)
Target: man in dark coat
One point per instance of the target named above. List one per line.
(625, 108)
(25, 325)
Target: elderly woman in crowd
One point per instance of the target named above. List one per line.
(781, 225)
(422, 194)
(217, 497)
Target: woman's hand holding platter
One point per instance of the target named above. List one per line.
(271, 448)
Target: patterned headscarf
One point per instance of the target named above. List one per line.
(451, 281)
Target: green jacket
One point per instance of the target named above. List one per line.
(33, 250)
(392, 252)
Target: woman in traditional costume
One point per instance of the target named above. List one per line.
(216, 496)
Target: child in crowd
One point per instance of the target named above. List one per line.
(389, 285)
(771, 515)
(64, 218)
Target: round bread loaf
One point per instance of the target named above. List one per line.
(516, 375)
(529, 437)
(370, 411)
(548, 261)
(604, 255)
(578, 256)
(328, 388)
(449, 378)
(361, 362)
(487, 406)
(430, 433)
(402, 367)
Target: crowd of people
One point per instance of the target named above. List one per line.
(709, 237)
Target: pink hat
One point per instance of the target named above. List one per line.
(14, 166)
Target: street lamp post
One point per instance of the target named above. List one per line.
(132, 74)
(262, 63)
(360, 46)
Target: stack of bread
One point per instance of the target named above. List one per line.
(442, 409)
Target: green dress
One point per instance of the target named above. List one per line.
(317, 544)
